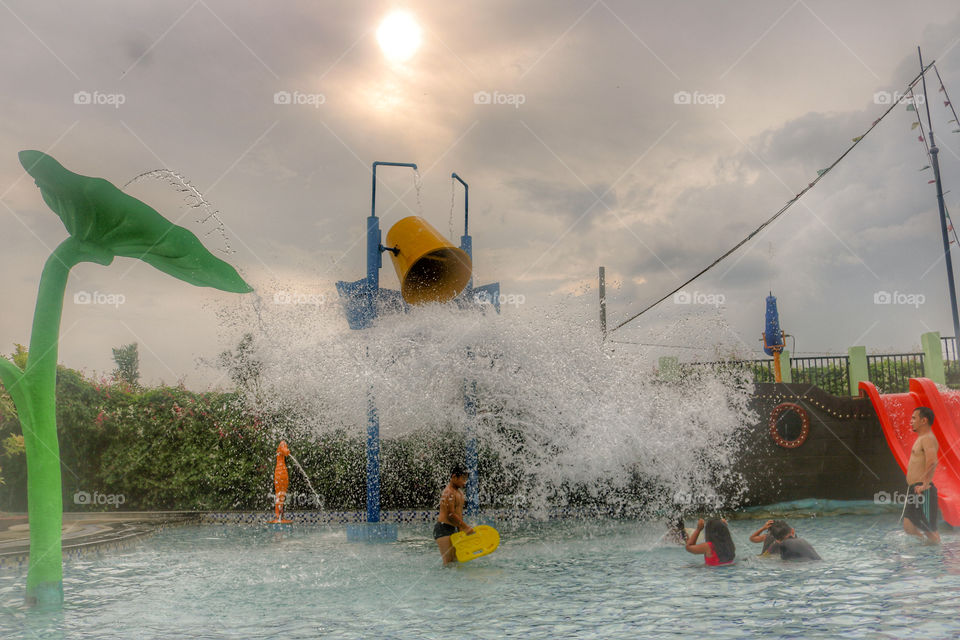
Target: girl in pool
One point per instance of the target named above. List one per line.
(718, 548)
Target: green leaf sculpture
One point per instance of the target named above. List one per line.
(103, 222)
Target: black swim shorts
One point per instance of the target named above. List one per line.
(921, 508)
(442, 530)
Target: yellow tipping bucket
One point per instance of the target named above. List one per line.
(430, 269)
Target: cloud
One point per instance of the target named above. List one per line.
(683, 183)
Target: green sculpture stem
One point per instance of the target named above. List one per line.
(103, 223)
(34, 393)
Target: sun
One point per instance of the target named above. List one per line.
(399, 36)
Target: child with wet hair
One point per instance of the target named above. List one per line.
(718, 548)
(767, 535)
(790, 546)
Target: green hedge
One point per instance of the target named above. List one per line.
(168, 448)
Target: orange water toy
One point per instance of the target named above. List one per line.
(281, 480)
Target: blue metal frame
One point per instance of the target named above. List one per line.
(374, 262)
(361, 299)
(470, 387)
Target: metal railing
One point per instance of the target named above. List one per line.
(951, 363)
(830, 373)
(891, 372)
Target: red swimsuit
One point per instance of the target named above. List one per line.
(712, 559)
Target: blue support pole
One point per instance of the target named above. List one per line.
(466, 242)
(473, 479)
(374, 262)
(373, 459)
(469, 387)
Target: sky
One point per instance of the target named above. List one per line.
(645, 137)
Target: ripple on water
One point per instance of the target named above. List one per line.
(546, 581)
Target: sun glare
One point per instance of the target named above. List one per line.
(399, 36)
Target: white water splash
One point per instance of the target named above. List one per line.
(316, 496)
(566, 417)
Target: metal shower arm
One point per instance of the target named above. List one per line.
(466, 202)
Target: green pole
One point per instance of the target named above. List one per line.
(859, 371)
(786, 374)
(933, 357)
(103, 222)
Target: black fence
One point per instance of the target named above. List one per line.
(891, 372)
(951, 363)
(830, 373)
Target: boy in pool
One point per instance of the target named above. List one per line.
(770, 544)
(450, 518)
(791, 547)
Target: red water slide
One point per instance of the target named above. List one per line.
(894, 411)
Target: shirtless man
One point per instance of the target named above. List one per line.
(920, 503)
(450, 518)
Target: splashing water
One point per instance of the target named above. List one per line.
(566, 421)
(418, 186)
(207, 218)
(316, 496)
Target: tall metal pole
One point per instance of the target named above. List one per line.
(934, 162)
(374, 262)
(466, 242)
(603, 303)
(470, 386)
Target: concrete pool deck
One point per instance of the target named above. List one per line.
(83, 532)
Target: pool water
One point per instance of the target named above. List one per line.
(597, 579)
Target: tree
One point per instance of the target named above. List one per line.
(244, 367)
(128, 365)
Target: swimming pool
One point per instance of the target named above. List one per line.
(599, 579)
